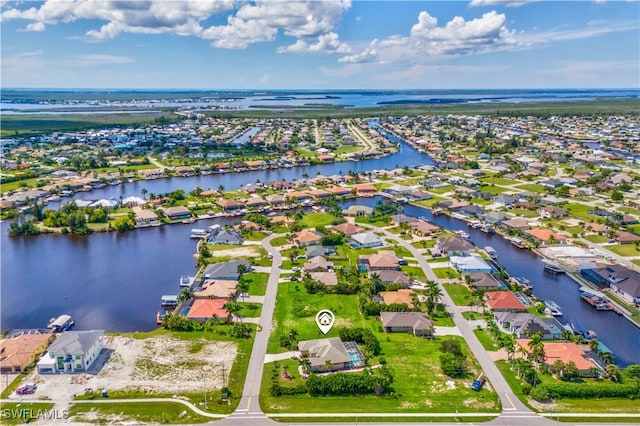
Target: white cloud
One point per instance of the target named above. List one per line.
(327, 43)
(95, 60)
(261, 22)
(427, 40)
(508, 3)
(264, 79)
(142, 16)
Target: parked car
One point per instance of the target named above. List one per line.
(27, 389)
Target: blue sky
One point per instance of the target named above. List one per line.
(330, 44)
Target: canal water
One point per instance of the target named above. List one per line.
(114, 281)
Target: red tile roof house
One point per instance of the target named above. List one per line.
(229, 205)
(204, 309)
(366, 190)
(503, 301)
(348, 228)
(545, 236)
(565, 352)
(306, 238)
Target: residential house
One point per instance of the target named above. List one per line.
(365, 240)
(216, 289)
(177, 212)
(454, 246)
(317, 264)
(72, 352)
(230, 205)
(392, 277)
(328, 354)
(482, 281)
(622, 281)
(469, 264)
(365, 190)
(402, 296)
(423, 228)
(20, 351)
(144, 217)
(205, 309)
(398, 219)
(415, 323)
(550, 212)
(524, 324)
(328, 278)
(314, 251)
(306, 238)
(225, 270)
(225, 236)
(358, 211)
(381, 261)
(276, 199)
(624, 237)
(515, 223)
(561, 351)
(503, 301)
(348, 228)
(545, 236)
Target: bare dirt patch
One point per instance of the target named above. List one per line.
(155, 365)
(243, 251)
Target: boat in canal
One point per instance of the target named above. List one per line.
(62, 323)
(552, 308)
(552, 267)
(462, 234)
(186, 281)
(491, 252)
(198, 233)
(518, 243)
(169, 300)
(487, 229)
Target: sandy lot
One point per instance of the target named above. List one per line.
(158, 364)
(242, 251)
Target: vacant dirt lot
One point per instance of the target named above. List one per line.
(157, 364)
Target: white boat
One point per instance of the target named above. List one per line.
(186, 281)
(491, 252)
(199, 233)
(552, 267)
(62, 323)
(462, 234)
(169, 300)
(552, 308)
(475, 224)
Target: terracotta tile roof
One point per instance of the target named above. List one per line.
(501, 300)
(205, 308)
(400, 296)
(17, 351)
(564, 352)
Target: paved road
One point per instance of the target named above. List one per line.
(249, 411)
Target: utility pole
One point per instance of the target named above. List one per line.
(204, 379)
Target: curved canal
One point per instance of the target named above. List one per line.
(114, 281)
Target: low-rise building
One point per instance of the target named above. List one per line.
(20, 351)
(365, 240)
(329, 354)
(415, 323)
(72, 352)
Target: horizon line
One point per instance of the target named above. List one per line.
(309, 90)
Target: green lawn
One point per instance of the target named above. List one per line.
(249, 310)
(257, 282)
(419, 385)
(459, 293)
(524, 212)
(630, 210)
(624, 249)
(414, 272)
(279, 241)
(431, 202)
(16, 413)
(315, 219)
(485, 339)
(138, 412)
(580, 211)
(498, 181)
(532, 187)
(496, 190)
(634, 228)
(297, 309)
(446, 273)
(442, 190)
(480, 201)
(254, 236)
(595, 238)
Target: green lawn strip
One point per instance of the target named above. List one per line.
(430, 203)
(485, 338)
(254, 236)
(143, 412)
(446, 273)
(596, 238)
(13, 385)
(532, 187)
(524, 212)
(498, 181)
(634, 228)
(425, 243)
(480, 201)
(624, 249)
(459, 293)
(19, 184)
(279, 241)
(496, 190)
(571, 419)
(414, 272)
(626, 209)
(597, 405)
(418, 387)
(222, 247)
(442, 190)
(249, 309)
(257, 283)
(382, 419)
(16, 413)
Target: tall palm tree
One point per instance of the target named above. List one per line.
(242, 288)
(185, 294)
(594, 345)
(234, 309)
(305, 363)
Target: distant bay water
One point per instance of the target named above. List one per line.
(21, 101)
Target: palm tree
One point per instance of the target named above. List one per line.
(376, 283)
(242, 288)
(594, 345)
(327, 364)
(433, 296)
(185, 294)
(234, 309)
(242, 269)
(305, 364)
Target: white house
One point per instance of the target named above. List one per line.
(366, 239)
(470, 264)
(71, 352)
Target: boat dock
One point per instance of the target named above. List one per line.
(62, 323)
